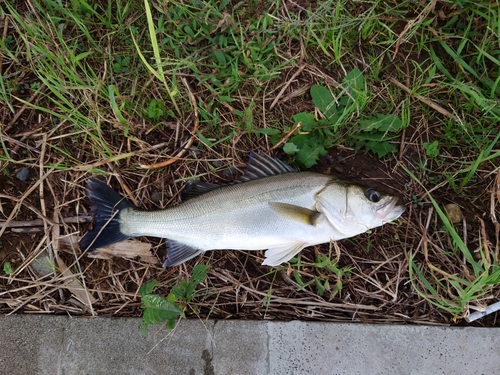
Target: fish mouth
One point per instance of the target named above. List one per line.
(390, 210)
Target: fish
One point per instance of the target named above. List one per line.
(271, 207)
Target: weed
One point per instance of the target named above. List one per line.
(156, 109)
(431, 149)
(121, 64)
(319, 132)
(323, 279)
(158, 309)
(7, 268)
(445, 290)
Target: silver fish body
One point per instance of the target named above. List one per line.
(276, 209)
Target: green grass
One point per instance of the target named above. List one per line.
(113, 77)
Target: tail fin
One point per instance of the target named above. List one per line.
(105, 204)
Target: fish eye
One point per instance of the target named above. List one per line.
(372, 195)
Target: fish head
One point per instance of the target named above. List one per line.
(353, 209)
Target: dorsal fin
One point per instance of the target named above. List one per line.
(195, 188)
(261, 165)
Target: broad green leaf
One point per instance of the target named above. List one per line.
(307, 119)
(148, 287)
(384, 123)
(290, 148)
(354, 82)
(375, 136)
(323, 100)
(170, 324)
(310, 153)
(157, 309)
(178, 291)
(380, 148)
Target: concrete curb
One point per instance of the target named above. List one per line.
(35, 344)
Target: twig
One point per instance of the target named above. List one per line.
(39, 222)
(280, 94)
(283, 140)
(119, 157)
(20, 201)
(429, 8)
(425, 100)
(18, 143)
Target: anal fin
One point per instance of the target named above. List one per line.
(178, 253)
(280, 254)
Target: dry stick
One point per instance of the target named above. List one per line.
(39, 222)
(20, 201)
(283, 140)
(425, 100)
(191, 140)
(17, 143)
(119, 157)
(430, 7)
(495, 191)
(288, 83)
(27, 205)
(40, 187)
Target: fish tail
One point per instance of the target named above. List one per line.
(105, 204)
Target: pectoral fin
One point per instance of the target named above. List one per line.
(297, 213)
(280, 254)
(178, 253)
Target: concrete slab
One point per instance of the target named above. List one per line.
(34, 344)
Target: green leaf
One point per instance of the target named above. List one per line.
(323, 100)
(155, 109)
(310, 153)
(307, 119)
(157, 309)
(290, 148)
(375, 136)
(354, 83)
(384, 123)
(179, 291)
(148, 287)
(199, 273)
(7, 268)
(170, 324)
(204, 139)
(354, 80)
(380, 148)
(298, 279)
(431, 149)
